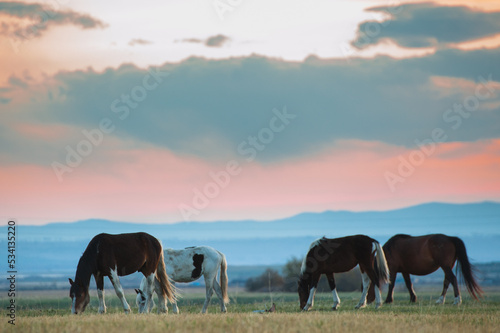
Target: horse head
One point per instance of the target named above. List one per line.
(140, 300)
(303, 289)
(79, 295)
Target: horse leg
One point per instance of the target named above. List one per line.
(162, 302)
(218, 292)
(442, 298)
(333, 287)
(392, 283)
(409, 285)
(373, 282)
(175, 309)
(119, 290)
(366, 285)
(149, 292)
(99, 281)
(312, 292)
(448, 275)
(209, 279)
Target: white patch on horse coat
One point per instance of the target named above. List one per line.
(366, 285)
(458, 300)
(313, 244)
(336, 299)
(310, 300)
(118, 289)
(179, 267)
(440, 300)
(102, 306)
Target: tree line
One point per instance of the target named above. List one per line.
(286, 281)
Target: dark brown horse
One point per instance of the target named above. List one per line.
(329, 256)
(424, 255)
(119, 255)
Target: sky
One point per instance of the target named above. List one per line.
(203, 110)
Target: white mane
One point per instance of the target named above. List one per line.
(313, 244)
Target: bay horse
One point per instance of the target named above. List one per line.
(119, 255)
(423, 255)
(188, 265)
(329, 256)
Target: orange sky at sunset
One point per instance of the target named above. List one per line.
(173, 111)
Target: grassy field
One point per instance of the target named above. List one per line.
(50, 312)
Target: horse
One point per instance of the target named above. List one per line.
(188, 265)
(119, 255)
(423, 255)
(329, 256)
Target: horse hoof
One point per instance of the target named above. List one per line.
(334, 308)
(378, 305)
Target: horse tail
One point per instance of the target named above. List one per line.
(223, 278)
(167, 289)
(381, 268)
(466, 269)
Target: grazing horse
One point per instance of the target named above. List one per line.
(424, 255)
(189, 265)
(119, 255)
(329, 256)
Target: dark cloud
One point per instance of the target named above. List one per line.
(427, 25)
(191, 40)
(41, 17)
(208, 107)
(216, 41)
(213, 41)
(15, 81)
(139, 41)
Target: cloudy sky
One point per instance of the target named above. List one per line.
(203, 110)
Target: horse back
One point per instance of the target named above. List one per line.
(420, 255)
(191, 263)
(341, 254)
(128, 253)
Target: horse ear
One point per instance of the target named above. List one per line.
(70, 281)
(137, 291)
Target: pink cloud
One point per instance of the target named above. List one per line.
(150, 184)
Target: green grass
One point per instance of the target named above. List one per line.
(46, 313)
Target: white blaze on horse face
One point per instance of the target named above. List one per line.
(73, 303)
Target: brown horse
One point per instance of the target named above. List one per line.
(424, 255)
(119, 255)
(329, 256)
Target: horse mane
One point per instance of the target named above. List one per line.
(87, 264)
(317, 242)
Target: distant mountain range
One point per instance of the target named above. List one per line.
(58, 246)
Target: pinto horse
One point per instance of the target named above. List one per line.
(189, 265)
(424, 255)
(119, 255)
(329, 256)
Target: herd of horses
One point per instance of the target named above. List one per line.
(124, 254)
